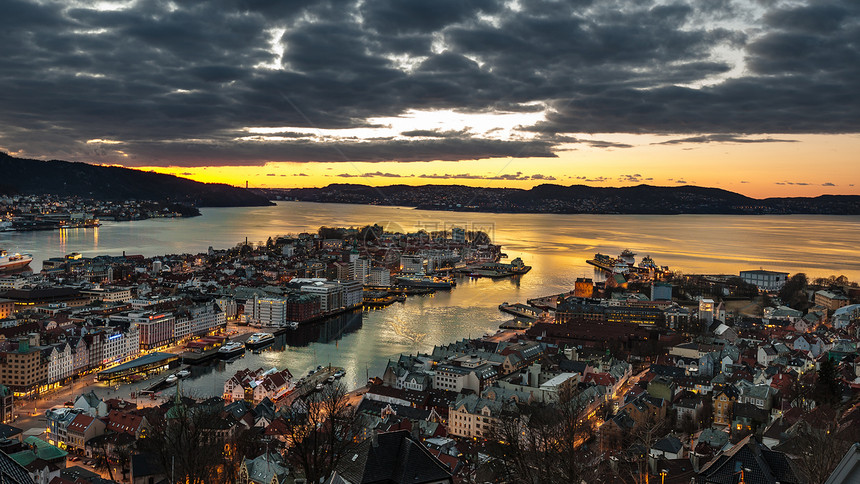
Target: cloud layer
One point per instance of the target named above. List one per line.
(178, 83)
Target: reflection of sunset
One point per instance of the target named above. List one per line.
(755, 169)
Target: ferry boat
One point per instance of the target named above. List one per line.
(231, 349)
(423, 280)
(14, 261)
(258, 340)
(602, 262)
(628, 257)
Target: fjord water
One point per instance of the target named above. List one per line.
(556, 246)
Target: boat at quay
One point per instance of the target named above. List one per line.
(258, 340)
(10, 262)
(424, 280)
(231, 349)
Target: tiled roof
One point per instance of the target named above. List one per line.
(759, 465)
(11, 472)
(396, 458)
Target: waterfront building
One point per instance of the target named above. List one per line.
(765, 280)
(331, 294)
(302, 307)
(411, 264)
(353, 293)
(583, 287)
(379, 276)
(266, 311)
(253, 386)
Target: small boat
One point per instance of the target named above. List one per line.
(171, 379)
(231, 349)
(183, 373)
(258, 340)
(293, 324)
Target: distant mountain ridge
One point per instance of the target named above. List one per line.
(550, 198)
(65, 178)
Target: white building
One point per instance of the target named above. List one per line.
(379, 276)
(353, 293)
(266, 311)
(60, 363)
(206, 318)
(331, 294)
(359, 269)
(411, 263)
(765, 280)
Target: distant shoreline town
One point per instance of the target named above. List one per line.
(24, 213)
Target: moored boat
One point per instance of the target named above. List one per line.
(14, 261)
(258, 340)
(231, 349)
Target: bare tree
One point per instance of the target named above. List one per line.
(818, 447)
(189, 444)
(544, 442)
(321, 430)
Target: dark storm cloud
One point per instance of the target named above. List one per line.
(375, 174)
(518, 176)
(723, 138)
(229, 152)
(177, 82)
(435, 133)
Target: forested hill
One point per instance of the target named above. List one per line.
(64, 178)
(548, 198)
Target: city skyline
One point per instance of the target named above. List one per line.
(757, 98)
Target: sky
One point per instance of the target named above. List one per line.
(760, 97)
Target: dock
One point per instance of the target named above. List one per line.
(309, 385)
(520, 310)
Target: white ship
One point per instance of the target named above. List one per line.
(14, 261)
(230, 349)
(259, 339)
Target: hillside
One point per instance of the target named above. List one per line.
(63, 178)
(548, 198)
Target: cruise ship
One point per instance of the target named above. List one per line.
(231, 349)
(14, 261)
(258, 340)
(423, 280)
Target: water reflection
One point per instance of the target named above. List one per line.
(556, 246)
